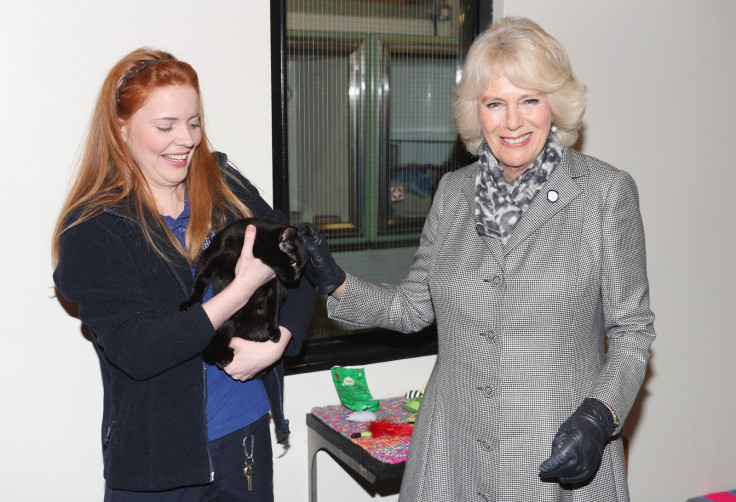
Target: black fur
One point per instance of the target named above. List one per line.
(278, 246)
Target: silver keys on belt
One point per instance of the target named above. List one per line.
(249, 462)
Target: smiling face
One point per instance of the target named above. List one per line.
(163, 134)
(515, 123)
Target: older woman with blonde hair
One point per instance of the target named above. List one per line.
(147, 196)
(532, 264)
(531, 60)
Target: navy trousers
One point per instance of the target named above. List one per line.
(228, 459)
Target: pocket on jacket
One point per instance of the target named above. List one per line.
(110, 434)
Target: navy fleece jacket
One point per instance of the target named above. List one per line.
(154, 424)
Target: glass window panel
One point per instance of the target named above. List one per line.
(419, 133)
(324, 104)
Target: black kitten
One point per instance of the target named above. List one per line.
(278, 246)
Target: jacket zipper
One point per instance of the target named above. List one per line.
(282, 416)
(204, 405)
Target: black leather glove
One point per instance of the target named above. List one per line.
(321, 269)
(577, 448)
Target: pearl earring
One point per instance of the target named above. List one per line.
(553, 128)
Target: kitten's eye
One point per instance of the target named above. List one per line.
(293, 264)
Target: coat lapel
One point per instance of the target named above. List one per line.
(558, 192)
(493, 244)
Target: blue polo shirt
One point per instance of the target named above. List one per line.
(231, 404)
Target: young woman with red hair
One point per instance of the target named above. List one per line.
(147, 196)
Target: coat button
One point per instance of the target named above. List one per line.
(485, 444)
(490, 335)
(487, 391)
(484, 497)
(496, 280)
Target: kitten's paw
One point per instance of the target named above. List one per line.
(274, 334)
(218, 353)
(225, 359)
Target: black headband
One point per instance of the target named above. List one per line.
(136, 69)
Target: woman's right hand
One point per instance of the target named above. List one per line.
(250, 274)
(322, 270)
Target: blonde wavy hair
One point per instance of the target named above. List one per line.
(108, 174)
(532, 59)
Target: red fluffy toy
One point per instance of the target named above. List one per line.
(383, 427)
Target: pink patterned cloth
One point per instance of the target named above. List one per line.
(386, 449)
(716, 497)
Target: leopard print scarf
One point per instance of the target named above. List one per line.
(500, 204)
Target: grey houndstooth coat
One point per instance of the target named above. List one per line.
(522, 333)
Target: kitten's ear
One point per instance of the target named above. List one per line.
(288, 234)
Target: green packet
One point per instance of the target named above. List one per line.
(352, 388)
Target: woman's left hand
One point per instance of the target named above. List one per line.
(250, 358)
(578, 446)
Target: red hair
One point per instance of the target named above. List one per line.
(108, 175)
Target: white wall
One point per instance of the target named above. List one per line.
(53, 59)
(660, 75)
